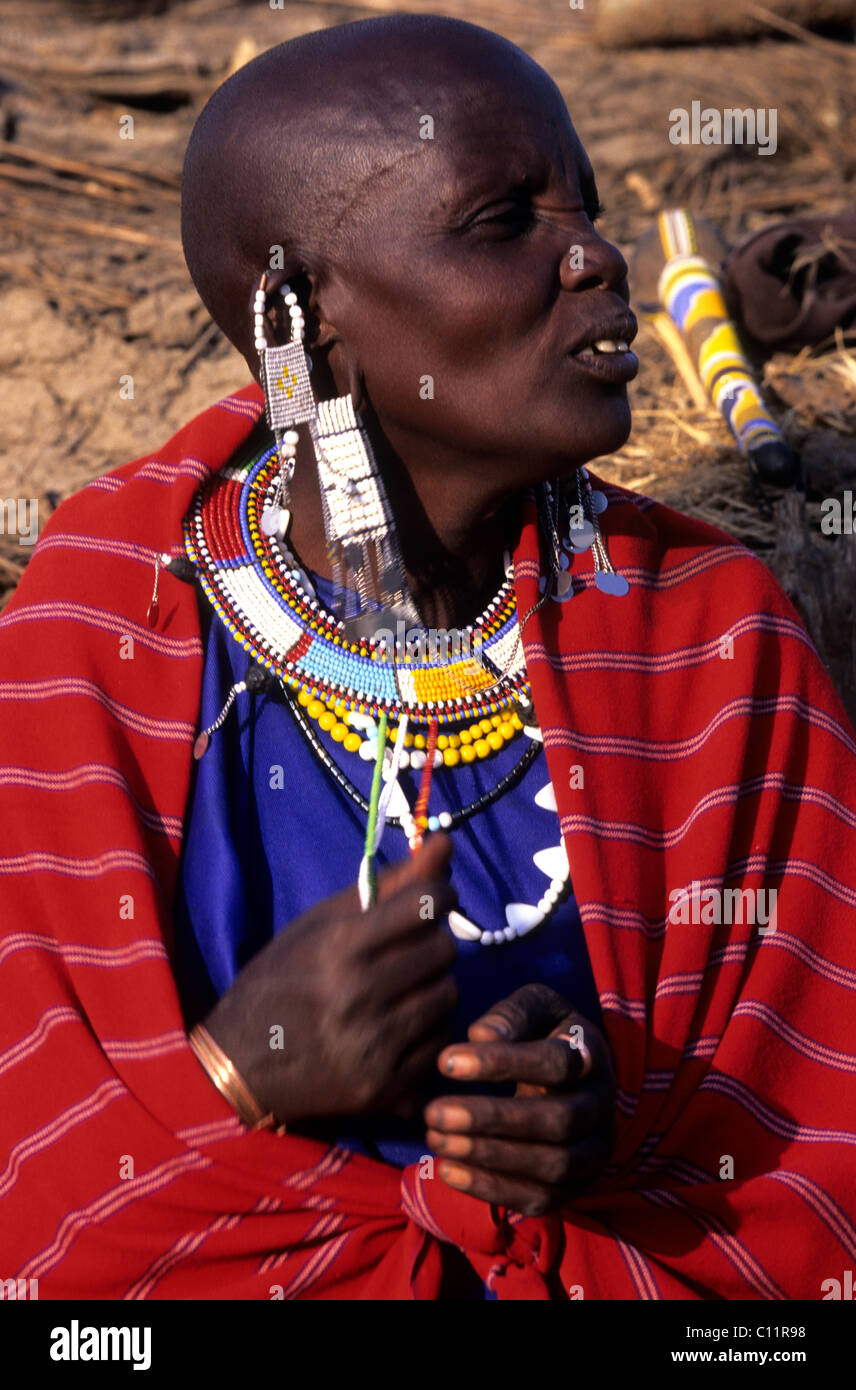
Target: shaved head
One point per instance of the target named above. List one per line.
(295, 145)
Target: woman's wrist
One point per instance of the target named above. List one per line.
(222, 1071)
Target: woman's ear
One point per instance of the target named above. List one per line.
(318, 333)
(333, 363)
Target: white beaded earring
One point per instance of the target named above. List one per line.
(289, 399)
(361, 540)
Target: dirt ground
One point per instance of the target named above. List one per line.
(94, 292)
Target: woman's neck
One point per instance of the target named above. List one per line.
(452, 546)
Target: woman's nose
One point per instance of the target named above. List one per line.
(593, 263)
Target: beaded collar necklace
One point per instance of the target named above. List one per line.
(357, 690)
(467, 683)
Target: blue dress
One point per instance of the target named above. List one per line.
(269, 832)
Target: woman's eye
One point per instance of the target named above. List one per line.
(518, 215)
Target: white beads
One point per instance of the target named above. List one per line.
(417, 760)
(523, 917)
(553, 862)
(546, 798)
(259, 339)
(361, 721)
(463, 928)
(445, 820)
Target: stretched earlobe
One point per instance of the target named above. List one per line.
(356, 385)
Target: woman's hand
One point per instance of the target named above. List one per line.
(537, 1149)
(360, 998)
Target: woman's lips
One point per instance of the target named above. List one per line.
(614, 362)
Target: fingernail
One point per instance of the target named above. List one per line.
(453, 1117)
(462, 1064)
(456, 1145)
(454, 1176)
(498, 1025)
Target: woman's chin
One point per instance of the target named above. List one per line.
(607, 427)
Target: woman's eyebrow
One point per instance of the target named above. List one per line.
(501, 181)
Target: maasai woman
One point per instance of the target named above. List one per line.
(432, 879)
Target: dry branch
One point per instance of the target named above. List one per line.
(626, 23)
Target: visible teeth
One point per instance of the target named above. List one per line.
(605, 346)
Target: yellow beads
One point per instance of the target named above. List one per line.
(467, 744)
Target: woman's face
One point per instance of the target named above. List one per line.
(474, 276)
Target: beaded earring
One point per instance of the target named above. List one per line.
(361, 539)
(368, 570)
(289, 399)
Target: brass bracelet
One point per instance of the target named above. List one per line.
(229, 1081)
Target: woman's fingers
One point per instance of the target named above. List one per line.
(534, 1119)
(554, 1165)
(431, 860)
(405, 967)
(417, 1015)
(415, 907)
(553, 1062)
(530, 1012)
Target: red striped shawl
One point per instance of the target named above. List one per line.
(735, 772)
